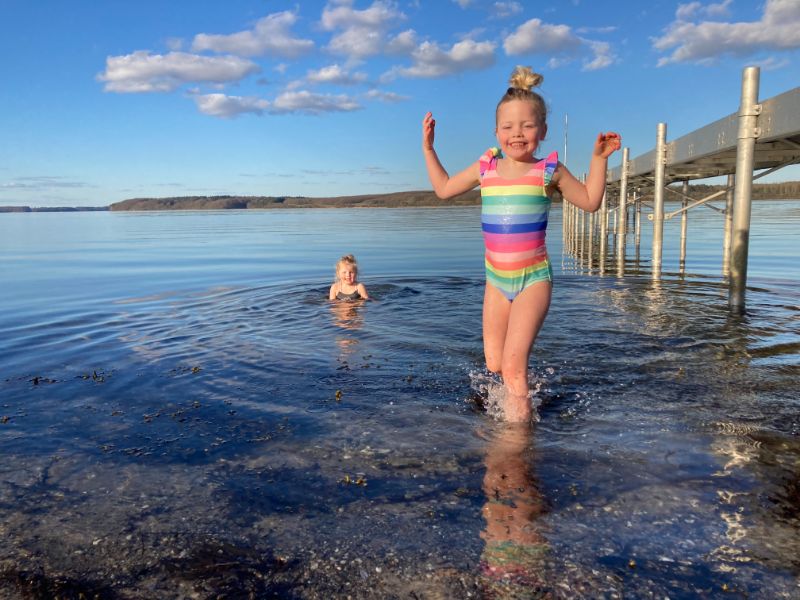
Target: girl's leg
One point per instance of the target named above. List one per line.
(525, 319)
(496, 309)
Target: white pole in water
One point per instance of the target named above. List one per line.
(658, 197)
(684, 224)
(749, 109)
(622, 219)
(726, 242)
(603, 233)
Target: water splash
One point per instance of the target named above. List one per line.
(489, 393)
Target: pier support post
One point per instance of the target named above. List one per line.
(603, 232)
(726, 242)
(658, 198)
(684, 224)
(622, 212)
(749, 110)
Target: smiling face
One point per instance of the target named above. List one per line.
(519, 129)
(347, 273)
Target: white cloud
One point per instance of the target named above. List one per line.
(602, 56)
(385, 96)
(504, 10)
(778, 29)
(271, 36)
(685, 12)
(310, 103)
(559, 43)
(535, 37)
(364, 32)
(220, 105)
(463, 3)
(336, 75)
(402, 43)
(432, 61)
(142, 71)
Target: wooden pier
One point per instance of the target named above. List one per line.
(762, 136)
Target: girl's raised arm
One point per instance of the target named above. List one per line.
(443, 185)
(589, 196)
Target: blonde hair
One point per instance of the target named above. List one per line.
(522, 82)
(348, 259)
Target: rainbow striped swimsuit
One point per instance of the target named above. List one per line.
(514, 221)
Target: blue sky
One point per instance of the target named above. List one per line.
(103, 101)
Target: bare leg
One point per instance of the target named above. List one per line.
(526, 317)
(496, 310)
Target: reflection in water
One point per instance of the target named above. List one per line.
(347, 316)
(514, 550)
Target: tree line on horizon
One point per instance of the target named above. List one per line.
(789, 190)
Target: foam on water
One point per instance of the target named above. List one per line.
(488, 389)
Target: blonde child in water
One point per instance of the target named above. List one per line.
(515, 190)
(346, 286)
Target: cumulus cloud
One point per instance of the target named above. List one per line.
(402, 43)
(142, 71)
(363, 32)
(271, 36)
(310, 103)
(536, 37)
(336, 75)
(431, 61)
(703, 42)
(603, 56)
(558, 42)
(220, 105)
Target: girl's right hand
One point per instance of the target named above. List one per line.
(428, 126)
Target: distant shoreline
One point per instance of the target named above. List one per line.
(415, 199)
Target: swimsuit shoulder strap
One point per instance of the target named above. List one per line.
(488, 160)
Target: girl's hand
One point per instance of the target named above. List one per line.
(606, 144)
(428, 125)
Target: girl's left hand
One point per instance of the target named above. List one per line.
(606, 144)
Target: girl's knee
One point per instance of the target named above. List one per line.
(494, 365)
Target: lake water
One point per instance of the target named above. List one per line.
(185, 415)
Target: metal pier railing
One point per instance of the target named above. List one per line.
(761, 136)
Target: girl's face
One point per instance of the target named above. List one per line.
(347, 273)
(519, 129)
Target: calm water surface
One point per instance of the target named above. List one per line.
(184, 414)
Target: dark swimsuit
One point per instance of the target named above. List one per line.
(354, 295)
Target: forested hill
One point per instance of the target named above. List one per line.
(762, 191)
(394, 200)
(789, 190)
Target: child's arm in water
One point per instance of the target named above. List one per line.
(589, 196)
(333, 291)
(362, 291)
(443, 185)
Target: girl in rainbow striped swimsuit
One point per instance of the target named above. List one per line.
(515, 189)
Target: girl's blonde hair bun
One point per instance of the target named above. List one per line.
(523, 78)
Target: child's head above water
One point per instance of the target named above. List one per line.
(347, 267)
(522, 82)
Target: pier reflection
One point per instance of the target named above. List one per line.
(514, 550)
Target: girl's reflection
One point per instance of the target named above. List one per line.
(514, 550)
(347, 315)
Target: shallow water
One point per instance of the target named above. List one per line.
(185, 415)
